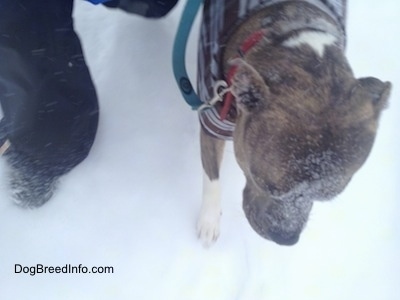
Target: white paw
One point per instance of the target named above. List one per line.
(210, 213)
(208, 226)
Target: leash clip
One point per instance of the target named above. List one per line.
(220, 89)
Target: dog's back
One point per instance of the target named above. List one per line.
(220, 20)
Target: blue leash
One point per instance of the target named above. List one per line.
(179, 51)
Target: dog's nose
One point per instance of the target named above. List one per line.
(284, 239)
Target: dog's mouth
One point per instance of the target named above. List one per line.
(279, 221)
(252, 214)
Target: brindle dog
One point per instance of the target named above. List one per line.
(304, 123)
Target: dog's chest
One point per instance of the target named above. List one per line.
(220, 19)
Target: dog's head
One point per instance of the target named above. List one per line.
(304, 127)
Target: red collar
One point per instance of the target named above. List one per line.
(247, 44)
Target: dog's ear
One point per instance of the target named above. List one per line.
(248, 86)
(374, 90)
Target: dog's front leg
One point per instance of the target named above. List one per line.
(210, 213)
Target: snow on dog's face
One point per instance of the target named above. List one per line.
(301, 134)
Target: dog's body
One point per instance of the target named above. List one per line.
(301, 124)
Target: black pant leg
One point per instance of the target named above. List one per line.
(47, 96)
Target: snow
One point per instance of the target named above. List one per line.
(133, 204)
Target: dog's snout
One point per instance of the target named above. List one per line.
(284, 239)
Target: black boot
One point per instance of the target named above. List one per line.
(145, 8)
(31, 185)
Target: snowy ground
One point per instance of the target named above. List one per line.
(133, 203)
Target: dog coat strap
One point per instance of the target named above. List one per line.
(248, 43)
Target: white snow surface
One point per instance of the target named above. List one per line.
(133, 203)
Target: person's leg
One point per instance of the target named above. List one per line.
(47, 96)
